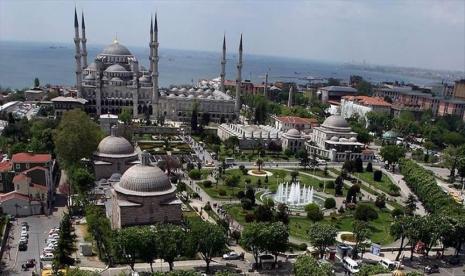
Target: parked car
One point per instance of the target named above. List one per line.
(30, 263)
(48, 249)
(350, 265)
(431, 269)
(22, 246)
(46, 257)
(391, 265)
(24, 234)
(232, 256)
(23, 240)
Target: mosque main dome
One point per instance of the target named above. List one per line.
(145, 178)
(115, 145)
(116, 49)
(335, 121)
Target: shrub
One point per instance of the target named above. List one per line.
(372, 269)
(394, 189)
(246, 203)
(365, 212)
(232, 180)
(369, 167)
(330, 203)
(207, 207)
(207, 184)
(302, 247)
(313, 212)
(377, 175)
(397, 212)
(195, 174)
(221, 192)
(380, 201)
(320, 185)
(240, 194)
(341, 210)
(249, 217)
(330, 184)
(358, 164)
(242, 168)
(263, 213)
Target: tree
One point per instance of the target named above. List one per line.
(81, 180)
(252, 239)
(338, 185)
(149, 246)
(352, 194)
(277, 237)
(282, 213)
(307, 265)
(259, 164)
(392, 154)
(65, 246)
(98, 225)
(313, 212)
(399, 231)
(76, 137)
(358, 165)
(365, 212)
(170, 240)
(294, 175)
(209, 240)
(377, 175)
(125, 116)
(231, 143)
(128, 242)
(321, 236)
(250, 194)
(410, 204)
(369, 167)
(330, 203)
(372, 269)
(263, 213)
(36, 83)
(360, 230)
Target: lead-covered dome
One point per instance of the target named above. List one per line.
(335, 121)
(115, 68)
(293, 133)
(116, 49)
(115, 145)
(145, 178)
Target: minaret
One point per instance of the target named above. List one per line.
(223, 65)
(151, 45)
(84, 41)
(77, 56)
(237, 106)
(291, 96)
(155, 70)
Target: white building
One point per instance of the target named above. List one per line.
(292, 140)
(361, 105)
(249, 135)
(334, 140)
(285, 123)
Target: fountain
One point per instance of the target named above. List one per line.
(293, 194)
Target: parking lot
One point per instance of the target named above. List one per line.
(39, 227)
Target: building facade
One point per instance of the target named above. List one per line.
(285, 123)
(250, 135)
(361, 105)
(335, 93)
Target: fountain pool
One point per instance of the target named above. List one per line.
(296, 195)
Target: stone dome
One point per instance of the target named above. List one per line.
(89, 77)
(293, 132)
(115, 68)
(115, 145)
(353, 139)
(335, 139)
(116, 49)
(335, 121)
(145, 178)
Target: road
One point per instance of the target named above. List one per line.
(39, 227)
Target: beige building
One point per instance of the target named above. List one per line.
(292, 140)
(334, 140)
(459, 89)
(114, 155)
(144, 195)
(249, 135)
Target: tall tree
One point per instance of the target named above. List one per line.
(36, 83)
(307, 265)
(98, 225)
(65, 246)
(399, 231)
(171, 240)
(194, 118)
(278, 239)
(149, 247)
(125, 116)
(410, 204)
(76, 137)
(392, 154)
(253, 240)
(360, 230)
(321, 236)
(128, 243)
(209, 239)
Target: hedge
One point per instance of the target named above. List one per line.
(424, 185)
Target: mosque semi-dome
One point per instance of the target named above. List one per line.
(335, 121)
(116, 49)
(115, 145)
(115, 68)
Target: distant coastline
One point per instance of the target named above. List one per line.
(21, 62)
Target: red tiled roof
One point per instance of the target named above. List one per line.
(26, 157)
(35, 168)
(296, 120)
(365, 100)
(5, 166)
(38, 186)
(13, 195)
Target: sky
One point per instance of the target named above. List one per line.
(417, 33)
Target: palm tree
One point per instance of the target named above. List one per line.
(259, 164)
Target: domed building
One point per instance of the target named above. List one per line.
(144, 195)
(292, 140)
(114, 155)
(334, 140)
(115, 80)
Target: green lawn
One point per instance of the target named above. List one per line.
(382, 185)
(299, 226)
(273, 182)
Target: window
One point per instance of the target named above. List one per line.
(27, 165)
(18, 166)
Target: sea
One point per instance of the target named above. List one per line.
(53, 63)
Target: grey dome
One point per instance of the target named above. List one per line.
(116, 49)
(115, 68)
(115, 145)
(336, 121)
(293, 132)
(89, 77)
(92, 66)
(145, 178)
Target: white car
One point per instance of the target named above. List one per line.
(232, 256)
(23, 240)
(53, 236)
(24, 228)
(350, 265)
(391, 265)
(46, 257)
(54, 231)
(48, 250)
(24, 234)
